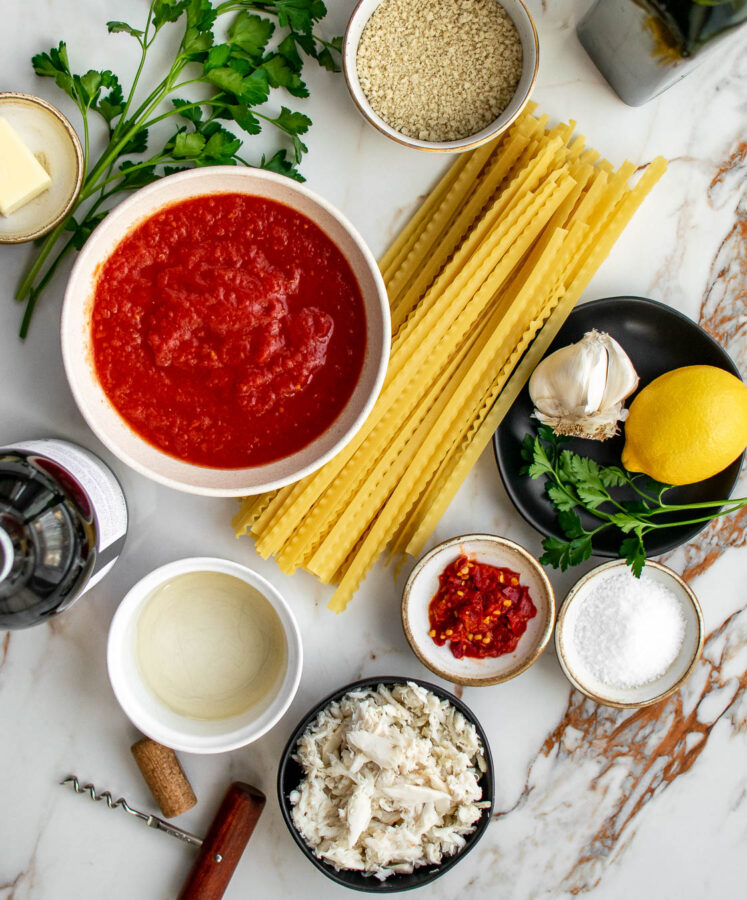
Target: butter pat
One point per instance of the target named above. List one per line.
(22, 176)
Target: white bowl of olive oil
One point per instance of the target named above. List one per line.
(204, 655)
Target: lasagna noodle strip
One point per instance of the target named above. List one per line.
(456, 195)
(343, 497)
(402, 244)
(480, 279)
(448, 488)
(425, 460)
(471, 210)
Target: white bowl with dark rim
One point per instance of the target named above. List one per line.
(77, 352)
(423, 584)
(653, 691)
(522, 19)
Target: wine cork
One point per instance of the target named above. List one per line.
(164, 776)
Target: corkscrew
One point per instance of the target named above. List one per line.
(150, 820)
(220, 850)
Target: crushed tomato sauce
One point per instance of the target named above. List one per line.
(481, 610)
(228, 330)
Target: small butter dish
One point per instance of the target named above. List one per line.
(574, 659)
(52, 140)
(423, 584)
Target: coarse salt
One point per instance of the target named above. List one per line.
(628, 631)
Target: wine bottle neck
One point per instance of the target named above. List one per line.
(6, 553)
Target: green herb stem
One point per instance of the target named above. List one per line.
(576, 482)
(24, 288)
(199, 139)
(706, 504)
(34, 294)
(144, 44)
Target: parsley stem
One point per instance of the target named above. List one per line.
(177, 112)
(709, 518)
(146, 164)
(34, 294)
(24, 288)
(144, 45)
(739, 502)
(647, 497)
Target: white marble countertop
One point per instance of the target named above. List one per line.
(590, 800)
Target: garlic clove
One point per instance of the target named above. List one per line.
(580, 389)
(622, 378)
(567, 378)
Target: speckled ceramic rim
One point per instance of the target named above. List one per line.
(425, 874)
(75, 140)
(619, 704)
(531, 561)
(458, 146)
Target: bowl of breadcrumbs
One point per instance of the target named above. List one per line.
(445, 75)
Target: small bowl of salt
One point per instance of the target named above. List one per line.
(629, 642)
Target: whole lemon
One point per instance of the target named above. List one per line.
(687, 425)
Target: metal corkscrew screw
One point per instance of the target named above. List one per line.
(220, 850)
(150, 820)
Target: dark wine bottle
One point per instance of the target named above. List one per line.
(643, 47)
(63, 521)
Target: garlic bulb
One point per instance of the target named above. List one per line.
(580, 389)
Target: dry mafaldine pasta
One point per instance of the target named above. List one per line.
(391, 780)
(439, 70)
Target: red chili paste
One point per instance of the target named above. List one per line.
(228, 330)
(480, 609)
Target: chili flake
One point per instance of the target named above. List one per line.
(482, 610)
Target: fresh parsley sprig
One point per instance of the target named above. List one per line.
(575, 482)
(264, 49)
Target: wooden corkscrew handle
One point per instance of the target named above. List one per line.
(224, 843)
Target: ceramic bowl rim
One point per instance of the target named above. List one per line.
(458, 145)
(129, 608)
(33, 100)
(574, 591)
(137, 208)
(533, 563)
(388, 886)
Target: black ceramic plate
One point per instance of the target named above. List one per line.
(290, 774)
(657, 338)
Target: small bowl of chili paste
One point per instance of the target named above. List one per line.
(478, 609)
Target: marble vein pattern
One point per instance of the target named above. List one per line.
(591, 801)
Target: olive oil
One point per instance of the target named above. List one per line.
(210, 646)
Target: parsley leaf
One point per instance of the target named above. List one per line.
(280, 163)
(634, 552)
(280, 74)
(240, 75)
(117, 27)
(251, 33)
(570, 523)
(562, 554)
(55, 65)
(560, 497)
(613, 476)
(187, 110)
(591, 494)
